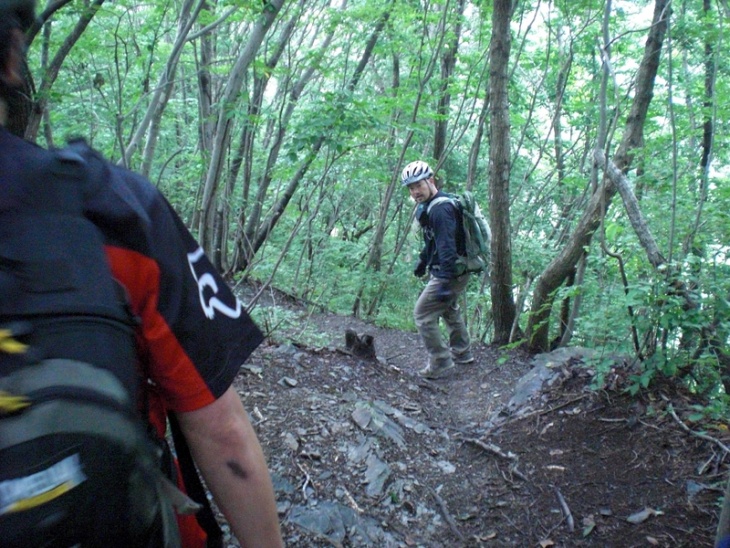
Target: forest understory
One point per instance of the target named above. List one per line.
(514, 450)
(593, 134)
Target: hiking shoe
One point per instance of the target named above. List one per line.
(429, 372)
(465, 358)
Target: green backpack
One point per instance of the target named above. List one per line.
(477, 235)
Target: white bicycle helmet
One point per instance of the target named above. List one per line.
(414, 172)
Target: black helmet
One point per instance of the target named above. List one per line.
(414, 172)
(23, 11)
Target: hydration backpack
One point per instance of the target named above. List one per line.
(78, 466)
(477, 235)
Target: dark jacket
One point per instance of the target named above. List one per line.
(443, 237)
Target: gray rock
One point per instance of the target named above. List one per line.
(546, 368)
(337, 522)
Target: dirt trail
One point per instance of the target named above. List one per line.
(365, 453)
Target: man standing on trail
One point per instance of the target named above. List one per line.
(192, 334)
(443, 243)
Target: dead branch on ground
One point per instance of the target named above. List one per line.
(566, 510)
(696, 434)
(491, 448)
(447, 516)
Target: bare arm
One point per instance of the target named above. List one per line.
(227, 451)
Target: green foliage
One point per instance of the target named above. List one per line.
(320, 247)
(678, 329)
(516, 344)
(281, 325)
(717, 409)
(640, 381)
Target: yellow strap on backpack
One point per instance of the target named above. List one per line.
(9, 345)
(10, 403)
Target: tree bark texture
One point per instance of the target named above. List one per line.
(503, 305)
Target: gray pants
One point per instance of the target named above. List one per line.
(427, 313)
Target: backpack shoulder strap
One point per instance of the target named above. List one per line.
(467, 199)
(441, 200)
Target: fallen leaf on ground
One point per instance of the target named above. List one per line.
(588, 525)
(643, 515)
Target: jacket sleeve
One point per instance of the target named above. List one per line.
(445, 225)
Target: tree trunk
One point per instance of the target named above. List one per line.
(633, 210)
(448, 63)
(244, 153)
(223, 127)
(503, 304)
(476, 144)
(206, 122)
(51, 73)
(256, 240)
(376, 246)
(162, 92)
(251, 232)
(560, 267)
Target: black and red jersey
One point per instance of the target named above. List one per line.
(193, 333)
